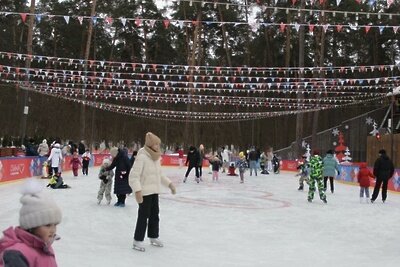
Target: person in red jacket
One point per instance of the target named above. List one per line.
(363, 179)
(75, 163)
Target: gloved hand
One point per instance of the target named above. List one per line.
(139, 197)
(173, 189)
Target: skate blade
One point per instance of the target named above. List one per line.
(156, 244)
(139, 248)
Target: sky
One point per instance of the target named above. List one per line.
(264, 222)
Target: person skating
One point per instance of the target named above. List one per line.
(304, 173)
(330, 169)
(146, 179)
(383, 171)
(316, 177)
(122, 167)
(192, 161)
(106, 178)
(363, 177)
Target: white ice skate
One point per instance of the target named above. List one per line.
(138, 245)
(156, 242)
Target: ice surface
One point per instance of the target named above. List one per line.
(263, 222)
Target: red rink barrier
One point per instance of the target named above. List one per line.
(14, 168)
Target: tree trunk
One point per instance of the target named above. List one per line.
(86, 56)
(300, 97)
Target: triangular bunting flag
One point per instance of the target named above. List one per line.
(80, 19)
(23, 17)
(166, 23)
(367, 28)
(123, 21)
(66, 18)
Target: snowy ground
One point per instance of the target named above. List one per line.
(263, 222)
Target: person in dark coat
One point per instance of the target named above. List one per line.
(121, 182)
(133, 157)
(192, 161)
(383, 171)
(81, 148)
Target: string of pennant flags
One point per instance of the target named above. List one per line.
(186, 116)
(254, 25)
(154, 68)
(202, 99)
(177, 82)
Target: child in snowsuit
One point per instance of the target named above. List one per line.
(57, 182)
(30, 244)
(242, 165)
(85, 162)
(215, 165)
(316, 177)
(75, 162)
(363, 178)
(106, 182)
(304, 172)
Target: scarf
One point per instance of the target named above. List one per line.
(155, 155)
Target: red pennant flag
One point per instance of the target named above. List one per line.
(367, 28)
(166, 23)
(293, 2)
(321, 2)
(311, 27)
(218, 69)
(195, 22)
(109, 20)
(362, 68)
(282, 27)
(23, 16)
(138, 22)
(339, 28)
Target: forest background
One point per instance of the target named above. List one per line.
(232, 34)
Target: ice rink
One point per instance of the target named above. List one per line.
(263, 222)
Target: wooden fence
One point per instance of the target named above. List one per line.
(385, 142)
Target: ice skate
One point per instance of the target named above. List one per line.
(98, 201)
(300, 188)
(156, 242)
(138, 245)
(324, 200)
(184, 179)
(309, 200)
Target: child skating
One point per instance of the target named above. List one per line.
(363, 177)
(241, 164)
(304, 173)
(75, 163)
(106, 182)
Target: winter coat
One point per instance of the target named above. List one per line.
(304, 169)
(225, 155)
(146, 175)
(75, 162)
(201, 157)
(331, 165)
(253, 155)
(383, 168)
(104, 175)
(215, 164)
(43, 149)
(24, 249)
(316, 166)
(81, 148)
(122, 164)
(55, 157)
(192, 158)
(364, 175)
(86, 156)
(241, 164)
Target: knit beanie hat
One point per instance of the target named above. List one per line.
(152, 139)
(106, 162)
(114, 151)
(37, 209)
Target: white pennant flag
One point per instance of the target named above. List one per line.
(80, 20)
(338, 2)
(123, 21)
(66, 18)
(297, 27)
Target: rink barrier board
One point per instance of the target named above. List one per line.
(14, 168)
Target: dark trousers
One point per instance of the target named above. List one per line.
(85, 167)
(147, 215)
(190, 168)
(53, 170)
(330, 181)
(121, 198)
(379, 182)
(200, 171)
